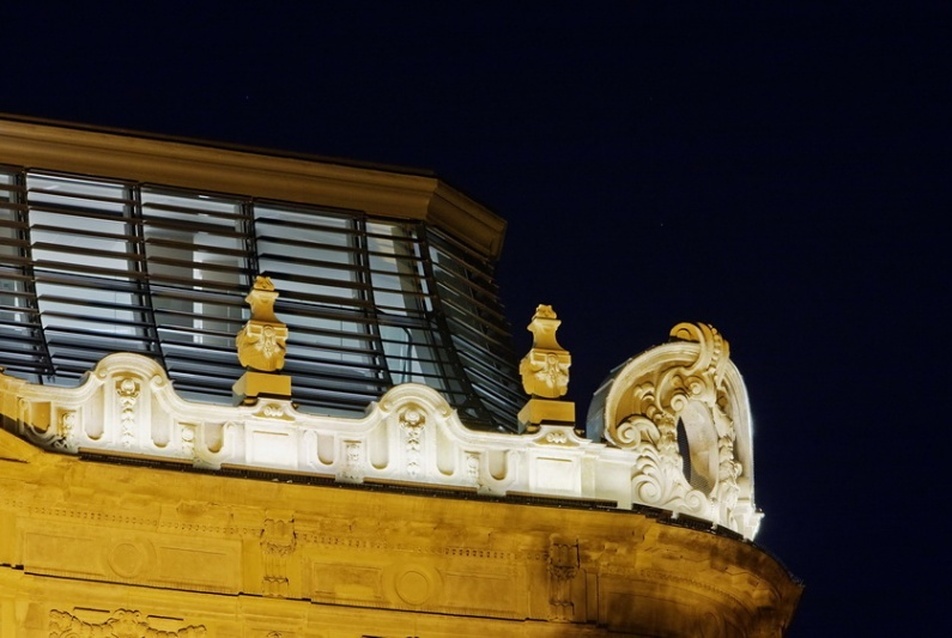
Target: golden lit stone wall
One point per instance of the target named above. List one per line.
(89, 548)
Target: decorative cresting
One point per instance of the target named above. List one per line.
(123, 623)
(262, 344)
(545, 373)
(682, 409)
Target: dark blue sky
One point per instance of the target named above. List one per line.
(780, 172)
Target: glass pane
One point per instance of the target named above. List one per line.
(18, 319)
(196, 257)
(88, 270)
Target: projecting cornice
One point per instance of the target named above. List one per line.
(260, 174)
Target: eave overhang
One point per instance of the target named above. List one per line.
(261, 174)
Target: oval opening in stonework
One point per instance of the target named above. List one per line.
(697, 444)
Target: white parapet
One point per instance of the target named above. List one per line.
(127, 407)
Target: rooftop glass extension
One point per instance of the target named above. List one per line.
(91, 265)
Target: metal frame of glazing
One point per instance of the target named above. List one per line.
(91, 265)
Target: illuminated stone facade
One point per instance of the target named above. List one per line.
(128, 509)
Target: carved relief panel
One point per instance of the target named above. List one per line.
(123, 623)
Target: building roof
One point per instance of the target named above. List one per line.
(113, 241)
(376, 189)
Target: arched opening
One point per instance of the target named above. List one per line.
(697, 444)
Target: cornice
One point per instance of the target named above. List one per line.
(261, 174)
(321, 530)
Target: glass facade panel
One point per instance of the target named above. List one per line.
(479, 330)
(198, 264)
(316, 260)
(87, 269)
(20, 347)
(90, 266)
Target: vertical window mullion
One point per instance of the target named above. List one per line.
(46, 372)
(471, 401)
(365, 276)
(136, 228)
(251, 245)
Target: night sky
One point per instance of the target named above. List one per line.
(781, 172)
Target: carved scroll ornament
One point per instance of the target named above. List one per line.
(680, 408)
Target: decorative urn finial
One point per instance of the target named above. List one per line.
(545, 373)
(261, 347)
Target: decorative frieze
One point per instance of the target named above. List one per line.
(123, 623)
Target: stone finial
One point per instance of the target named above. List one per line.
(261, 347)
(545, 370)
(545, 373)
(261, 343)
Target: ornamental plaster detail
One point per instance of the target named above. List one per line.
(562, 567)
(127, 392)
(262, 342)
(412, 420)
(278, 541)
(545, 370)
(352, 470)
(127, 405)
(122, 623)
(681, 409)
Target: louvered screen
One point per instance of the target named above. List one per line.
(22, 348)
(90, 266)
(469, 300)
(198, 259)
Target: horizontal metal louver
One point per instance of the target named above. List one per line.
(90, 266)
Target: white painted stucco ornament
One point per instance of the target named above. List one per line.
(681, 408)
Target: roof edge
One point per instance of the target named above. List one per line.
(377, 190)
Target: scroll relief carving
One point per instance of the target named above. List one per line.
(677, 410)
(123, 623)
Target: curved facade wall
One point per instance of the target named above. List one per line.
(90, 266)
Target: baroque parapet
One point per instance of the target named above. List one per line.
(127, 406)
